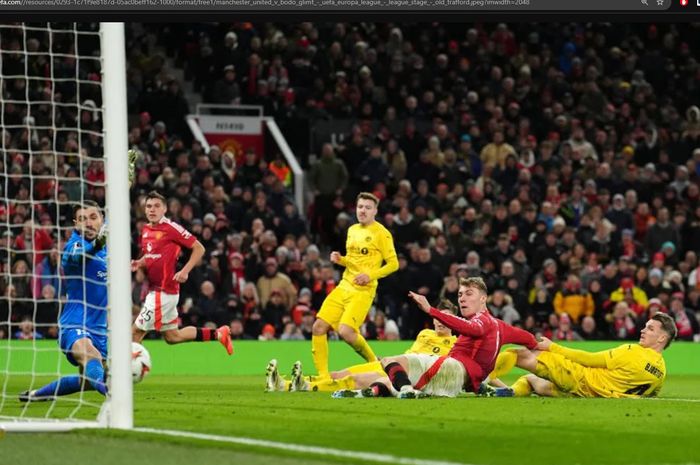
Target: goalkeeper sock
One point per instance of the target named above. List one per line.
(60, 387)
(504, 363)
(361, 347)
(319, 351)
(330, 385)
(521, 387)
(206, 334)
(95, 374)
(397, 375)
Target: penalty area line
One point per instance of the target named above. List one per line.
(316, 450)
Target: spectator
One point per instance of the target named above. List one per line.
(26, 331)
(686, 322)
(273, 279)
(635, 297)
(573, 301)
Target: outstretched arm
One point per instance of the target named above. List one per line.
(474, 327)
(587, 359)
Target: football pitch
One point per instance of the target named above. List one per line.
(198, 389)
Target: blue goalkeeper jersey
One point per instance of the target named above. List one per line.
(85, 277)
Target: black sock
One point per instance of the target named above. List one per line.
(205, 334)
(397, 375)
(380, 390)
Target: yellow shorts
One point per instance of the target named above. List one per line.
(567, 376)
(371, 367)
(347, 307)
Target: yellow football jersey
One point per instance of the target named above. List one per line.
(631, 371)
(367, 248)
(428, 342)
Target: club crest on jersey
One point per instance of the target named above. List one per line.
(158, 235)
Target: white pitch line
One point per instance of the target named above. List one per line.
(671, 399)
(368, 456)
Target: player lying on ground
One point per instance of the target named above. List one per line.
(83, 321)
(161, 242)
(470, 359)
(433, 342)
(370, 257)
(629, 370)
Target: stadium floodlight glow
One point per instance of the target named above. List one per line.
(89, 85)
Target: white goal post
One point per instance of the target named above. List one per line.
(30, 357)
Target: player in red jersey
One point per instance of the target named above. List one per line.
(472, 357)
(161, 242)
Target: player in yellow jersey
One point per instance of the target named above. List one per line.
(630, 370)
(370, 256)
(436, 342)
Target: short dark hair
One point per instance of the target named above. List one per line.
(668, 324)
(474, 282)
(85, 204)
(368, 196)
(156, 195)
(445, 304)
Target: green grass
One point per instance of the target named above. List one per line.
(468, 429)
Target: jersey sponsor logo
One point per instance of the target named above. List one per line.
(154, 256)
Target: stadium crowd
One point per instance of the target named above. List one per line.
(562, 164)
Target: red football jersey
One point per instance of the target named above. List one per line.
(480, 339)
(161, 245)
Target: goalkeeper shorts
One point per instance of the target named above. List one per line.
(69, 336)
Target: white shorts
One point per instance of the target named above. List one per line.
(159, 312)
(447, 382)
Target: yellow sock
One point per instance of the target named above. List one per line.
(521, 387)
(504, 363)
(319, 351)
(361, 347)
(366, 368)
(330, 385)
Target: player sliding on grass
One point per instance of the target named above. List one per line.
(369, 244)
(470, 360)
(161, 242)
(83, 320)
(432, 342)
(630, 370)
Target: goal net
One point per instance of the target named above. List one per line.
(54, 115)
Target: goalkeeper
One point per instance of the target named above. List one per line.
(83, 320)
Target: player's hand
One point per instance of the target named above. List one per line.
(544, 344)
(136, 264)
(336, 257)
(420, 300)
(361, 279)
(181, 276)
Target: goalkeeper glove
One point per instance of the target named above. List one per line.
(101, 239)
(133, 157)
